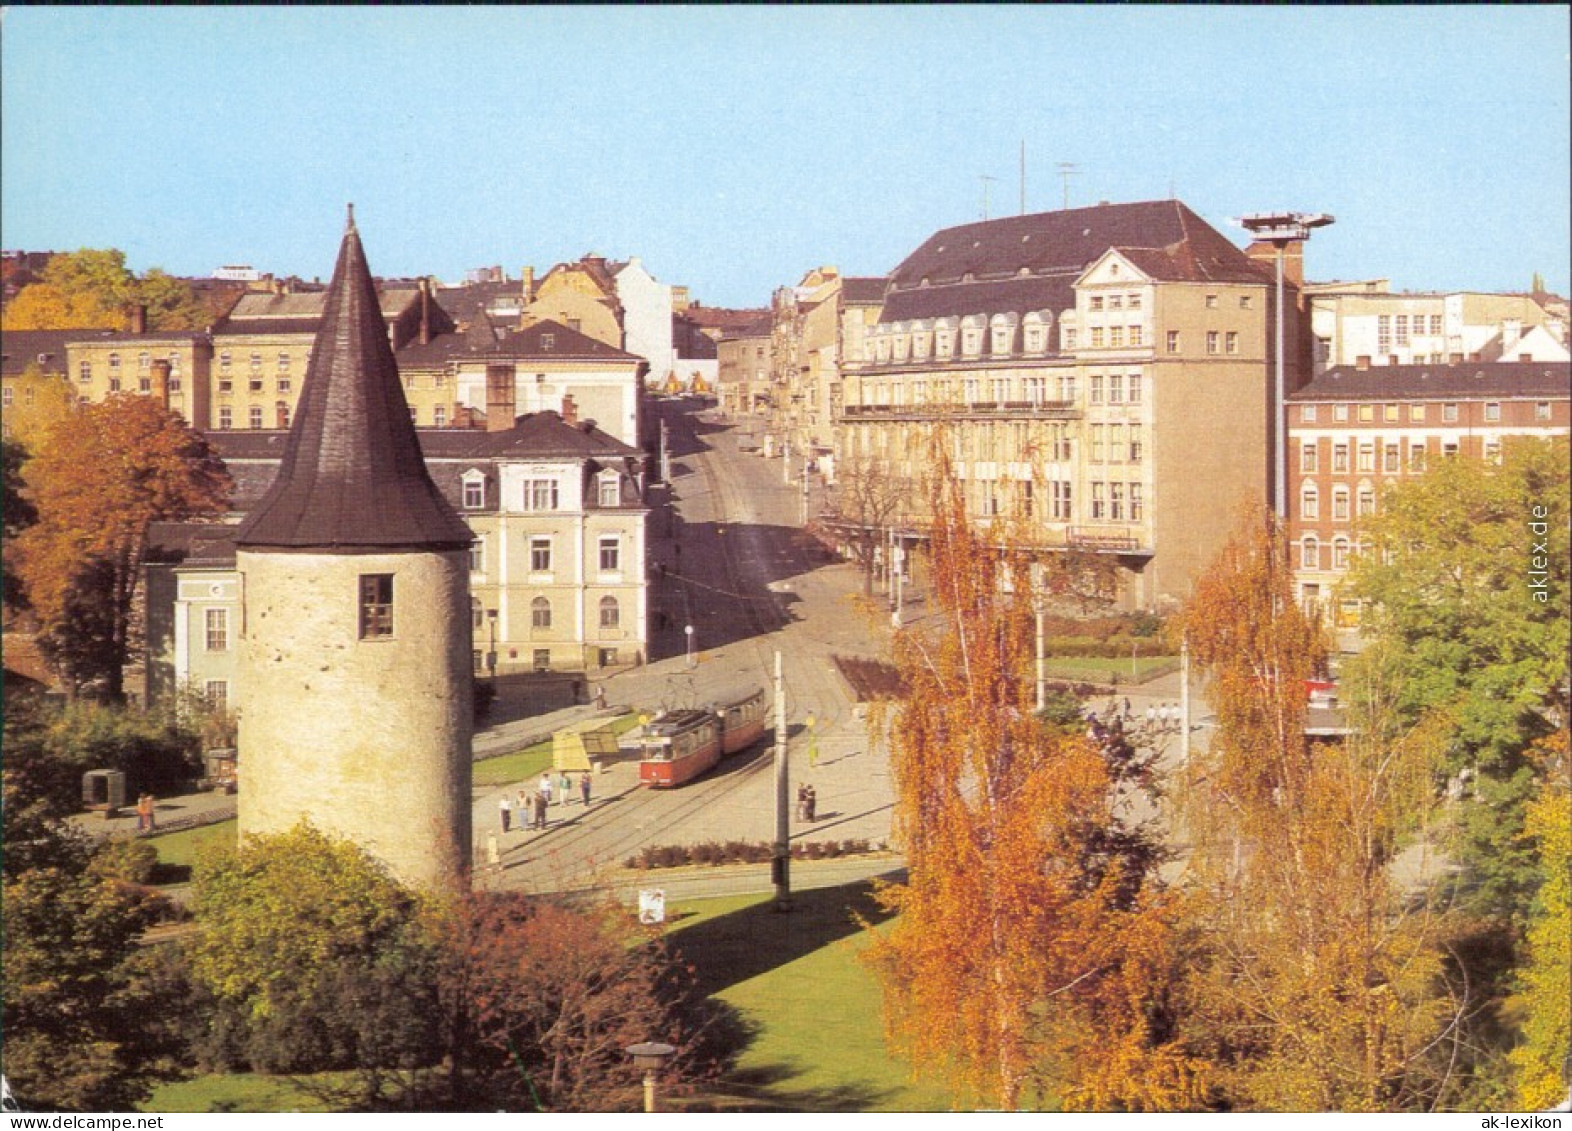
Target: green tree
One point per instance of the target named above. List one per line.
(1030, 948)
(17, 513)
(98, 481)
(1467, 578)
(93, 289)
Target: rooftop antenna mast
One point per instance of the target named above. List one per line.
(986, 180)
(1023, 176)
(1067, 170)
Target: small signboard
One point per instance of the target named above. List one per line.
(652, 905)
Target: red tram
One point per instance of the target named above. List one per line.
(678, 746)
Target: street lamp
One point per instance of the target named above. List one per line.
(1281, 229)
(688, 631)
(491, 651)
(650, 1056)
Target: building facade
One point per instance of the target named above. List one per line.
(743, 381)
(103, 364)
(1354, 433)
(1099, 376)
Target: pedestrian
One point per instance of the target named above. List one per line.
(545, 786)
(565, 788)
(802, 801)
(1151, 714)
(1127, 707)
(540, 810)
(507, 814)
(809, 803)
(584, 788)
(600, 696)
(141, 813)
(152, 812)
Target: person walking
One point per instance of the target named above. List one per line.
(545, 786)
(540, 810)
(507, 814)
(565, 788)
(152, 811)
(141, 813)
(584, 789)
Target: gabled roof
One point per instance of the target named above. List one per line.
(1549, 380)
(479, 342)
(352, 478)
(1031, 262)
(21, 348)
(537, 435)
(301, 313)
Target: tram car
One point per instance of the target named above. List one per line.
(678, 746)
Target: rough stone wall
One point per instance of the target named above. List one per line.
(367, 739)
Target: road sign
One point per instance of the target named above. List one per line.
(652, 905)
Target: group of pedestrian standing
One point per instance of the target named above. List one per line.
(807, 802)
(531, 807)
(146, 807)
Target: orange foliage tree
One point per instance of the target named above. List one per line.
(1029, 955)
(1319, 979)
(100, 477)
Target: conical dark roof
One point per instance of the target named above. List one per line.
(352, 477)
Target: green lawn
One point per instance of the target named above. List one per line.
(241, 1091)
(1099, 669)
(530, 761)
(177, 851)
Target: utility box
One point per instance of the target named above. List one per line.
(104, 791)
(584, 746)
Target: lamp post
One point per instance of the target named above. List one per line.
(688, 631)
(491, 650)
(1280, 229)
(651, 1056)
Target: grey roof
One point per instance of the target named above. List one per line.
(21, 348)
(863, 290)
(529, 344)
(1022, 263)
(1460, 381)
(352, 478)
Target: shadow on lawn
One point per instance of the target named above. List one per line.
(733, 948)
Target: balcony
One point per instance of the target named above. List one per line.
(977, 410)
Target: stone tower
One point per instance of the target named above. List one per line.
(355, 664)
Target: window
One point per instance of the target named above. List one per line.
(1435, 325)
(1173, 341)
(540, 613)
(216, 692)
(1416, 456)
(1069, 338)
(1542, 410)
(1211, 341)
(1116, 502)
(1366, 500)
(1099, 504)
(610, 613)
(540, 494)
(1416, 413)
(1036, 389)
(439, 416)
(540, 555)
(1366, 413)
(256, 384)
(1389, 414)
(226, 418)
(1135, 502)
(477, 555)
(1309, 502)
(114, 362)
(1133, 302)
(1097, 337)
(1340, 504)
(1366, 457)
(1307, 414)
(1339, 413)
(283, 363)
(114, 384)
(1493, 451)
(1097, 390)
(256, 363)
(1493, 412)
(1309, 456)
(1116, 336)
(1096, 303)
(1246, 302)
(1135, 443)
(1340, 553)
(1135, 336)
(1116, 450)
(376, 605)
(1097, 443)
(84, 372)
(1449, 414)
(1211, 302)
(1384, 334)
(254, 418)
(1393, 459)
(1115, 302)
(144, 361)
(281, 413)
(6, 396)
(1135, 388)
(1067, 389)
(1339, 458)
(610, 553)
(1402, 329)
(1231, 342)
(1448, 449)
(223, 360)
(1116, 389)
(1309, 552)
(474, 493)
(1061, 509)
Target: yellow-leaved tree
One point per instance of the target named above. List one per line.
(1030, 954)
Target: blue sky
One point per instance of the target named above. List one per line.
(733, 148)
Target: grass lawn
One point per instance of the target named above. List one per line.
(530, 761)
(242, 1091)
(1097, 669)
(813, 1011)
(177, 851)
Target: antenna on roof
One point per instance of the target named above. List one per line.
(985, 179)
(1023, 176)
(1067, 170)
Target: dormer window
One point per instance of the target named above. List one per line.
(548, 341)
(610, 490)
(474, 491)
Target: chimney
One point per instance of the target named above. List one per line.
(161, 382)
(425, 312)
(501, 398)
(139, 318)
(527, 277)
(1362, 361)
(1264, 252)
(570, 410)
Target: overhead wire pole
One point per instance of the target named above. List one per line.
(1067, 170)
(780, 861)
(986, 181)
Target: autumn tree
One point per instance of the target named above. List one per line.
(1318, 978)
(1028, 955)
(98, 481)
(17, 513)
(1467, 578)
(41, 401)
(93, 289)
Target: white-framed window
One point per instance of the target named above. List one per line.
(1061, 508)
(610, 613)
(1309, 502)
(1231, 342)
(1095, 303)
(474, 495)
(1211, 341)
(254, 417)
(1392, 459)
(84, 372)
(1542, 410)
(1099, 501)
(1416, 456)
(1367, 500)
(1493, 412)
(1449, 414)
(1096, 384)
(226, 418)
(1136, 445)
(1116, 502)
(1173, 341)
(1309, 456)
(1367, 457)
(1136, 390)
(1097, 337)
(256, 363)
(610, 553)
(216, 694)
(540, 495)
(439, 416)
(1340, 547)
(1339, 504)
(477, 554)
(1211, 302)
(610, 491)
(540, 613)
(1340, 413)
(376, 605)
(1340, 458)
(1309, 552)
(216, 629)
(1416, 413)
(1116, 388)
(1097, 443)
(540, 554)
(1135, 502)
(283, 362)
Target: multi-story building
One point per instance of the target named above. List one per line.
(1364, 323)
(646, 318)
(1101, 375)
(33, 384)
(1355, 431)
(743, 384)
(581, 296)
(103, 363)
(261, 348)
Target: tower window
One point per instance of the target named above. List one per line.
(376, 605)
